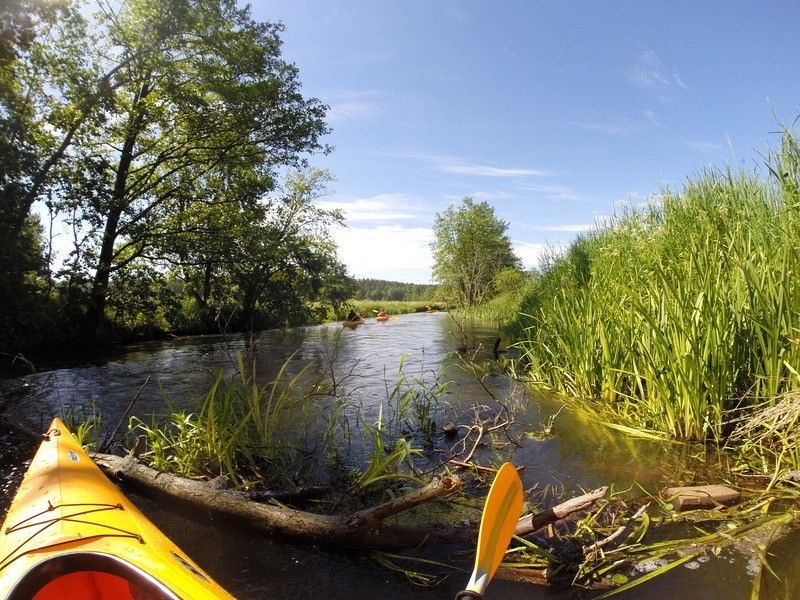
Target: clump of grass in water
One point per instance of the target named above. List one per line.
(241, 429)
(251, 432)
(767, 436)
(675, 312)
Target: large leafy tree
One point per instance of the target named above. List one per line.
(155, 128)
(470, 248)
(204, 95)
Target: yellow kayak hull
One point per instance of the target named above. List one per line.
(383, 318)
(70, 533)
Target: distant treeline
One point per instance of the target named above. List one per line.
(379, 289)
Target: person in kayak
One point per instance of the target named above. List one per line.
(353, 316)
(381, 313)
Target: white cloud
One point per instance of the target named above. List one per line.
(553, 192)
(623, 125)
(479, 195)
(650, 73)
(460, 166)
(577, 228)
(498, 195)
(371, 251)
(531, 253)
(353, 105)
(615, 126)
(381, 207)
(702, 146)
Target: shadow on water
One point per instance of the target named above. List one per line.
(563, 450)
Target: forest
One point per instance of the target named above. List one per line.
(379, 289)
(155, 176)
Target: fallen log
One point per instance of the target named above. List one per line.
(534, 522)
(361, 530)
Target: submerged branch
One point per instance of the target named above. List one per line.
(363, 530)
(534, 522)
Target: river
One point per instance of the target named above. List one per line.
(572, 455)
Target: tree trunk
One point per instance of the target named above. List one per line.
(95, 326)
(364, 529)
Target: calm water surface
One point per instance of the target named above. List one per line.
(577, 455)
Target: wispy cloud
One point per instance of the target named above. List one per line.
(381, 207)
(702, 146)
(480, 195)
(644, 121)
(563, 228)
(353, 105)
(460, 166)
(553, 192)
(650, 73)
(613, 126)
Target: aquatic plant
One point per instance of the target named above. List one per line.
(678, 312)
(241, 429)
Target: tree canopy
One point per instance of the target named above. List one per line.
(156, 131)
(470, 248)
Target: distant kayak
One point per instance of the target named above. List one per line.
(354, 323)
(382, 318)
(70, 533)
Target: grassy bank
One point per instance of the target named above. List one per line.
(369, 308)
(679, 312)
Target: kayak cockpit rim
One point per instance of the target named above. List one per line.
(53, 577)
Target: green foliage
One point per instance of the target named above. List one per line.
(387, 459)
(155, 130)
(678, 312)
(241, 429)
(369, 308)
(470, 249)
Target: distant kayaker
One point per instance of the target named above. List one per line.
(381, 313)
(353, 316)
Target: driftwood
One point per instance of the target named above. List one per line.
(364, 529)
(534, 522)
(291, 496)
(701, 496)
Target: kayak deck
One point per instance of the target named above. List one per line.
(70, 529)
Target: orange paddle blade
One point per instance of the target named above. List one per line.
(500, 515)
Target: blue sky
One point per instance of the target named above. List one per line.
(555, 113)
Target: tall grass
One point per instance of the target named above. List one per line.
(241, 429)
(296, 426)
(679, 311)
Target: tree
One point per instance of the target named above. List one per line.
(469, 250)
(203, 95)
(259, 260)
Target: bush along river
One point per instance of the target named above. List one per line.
(344, 419)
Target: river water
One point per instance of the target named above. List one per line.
(561, 455)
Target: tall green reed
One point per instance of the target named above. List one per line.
(679, 311)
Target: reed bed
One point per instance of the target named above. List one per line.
(680, 311)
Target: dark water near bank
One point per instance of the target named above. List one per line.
(576, 455)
